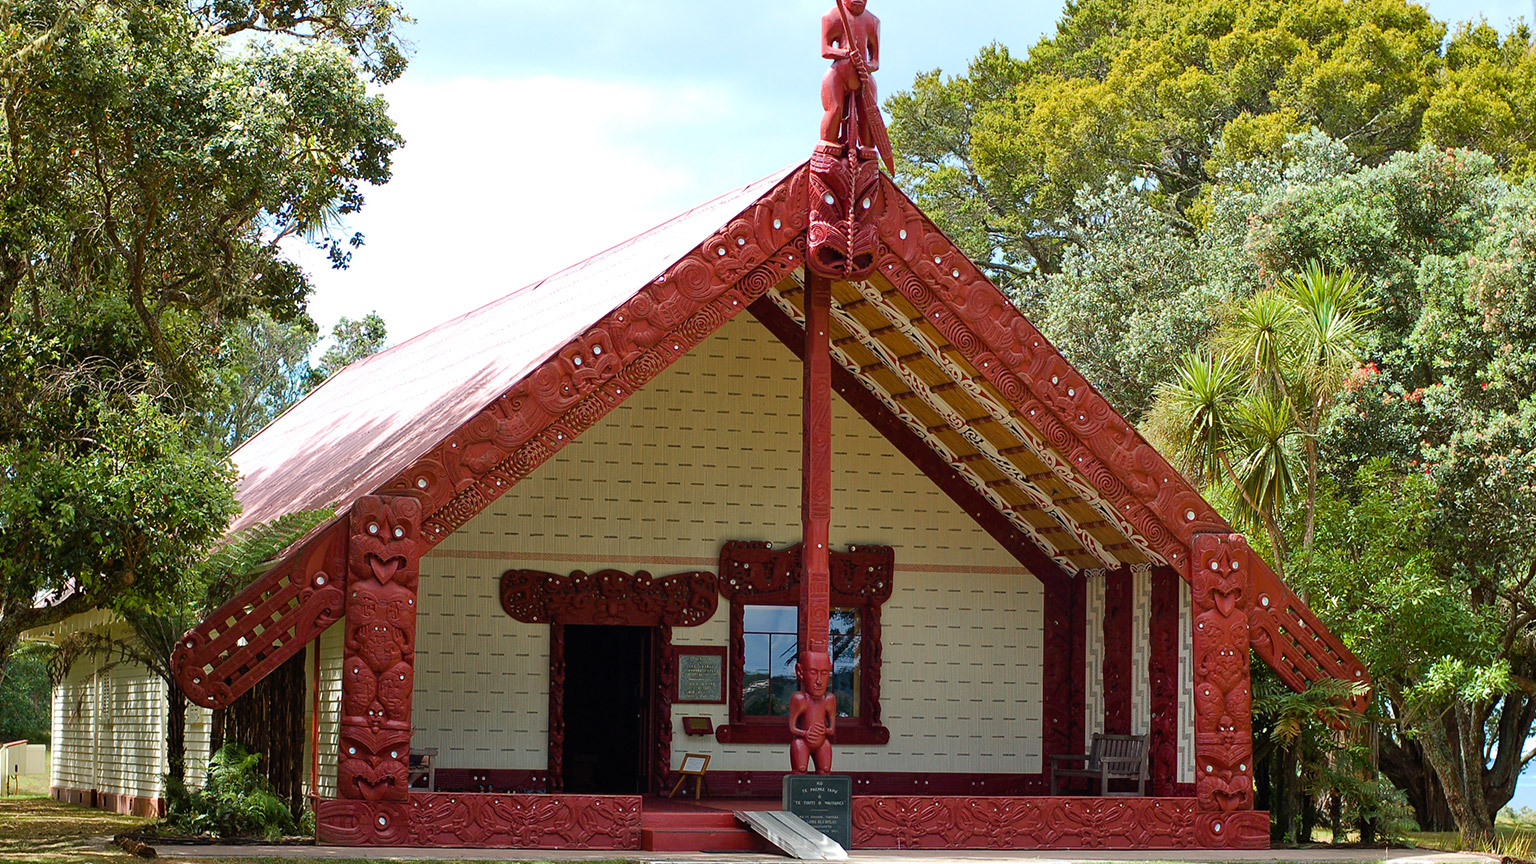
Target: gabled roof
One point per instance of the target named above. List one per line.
(375, 417)
(935, 356)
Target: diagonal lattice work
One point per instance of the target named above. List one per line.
(1285, 633)
(267, 623)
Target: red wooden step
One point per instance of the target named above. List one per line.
(687, 820)
(707, 840)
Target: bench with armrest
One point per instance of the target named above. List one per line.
(423, 769)
(1111, 757)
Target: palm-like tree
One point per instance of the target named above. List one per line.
(1248, 411)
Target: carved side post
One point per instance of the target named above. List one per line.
(1221, 572)
(383, 561)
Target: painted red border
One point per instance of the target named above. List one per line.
(680, 651)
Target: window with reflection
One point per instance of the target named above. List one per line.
(770, 645)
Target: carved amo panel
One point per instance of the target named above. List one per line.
(609, 597)
(507, 440)
(1051, 823)
(383, 561)
(267, 623)
(1223, 568)
(485, 821)
(1146, 497)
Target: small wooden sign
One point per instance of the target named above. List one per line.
(698, 726)
(700, 675)
(694, 765)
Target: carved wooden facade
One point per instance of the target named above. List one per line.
(361, 569)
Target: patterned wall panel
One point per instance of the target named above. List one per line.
(331, 651)
(1093, 697)
(1186, 686)
(709, 452)
(1141, 650)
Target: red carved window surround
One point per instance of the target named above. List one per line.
(753, 573)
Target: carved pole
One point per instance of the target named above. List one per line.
(379, 653)
(1221, 566)
(816, 465)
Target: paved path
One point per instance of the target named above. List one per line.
(1278, 856)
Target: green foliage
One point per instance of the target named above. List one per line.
(25, 690)
(351, 341)
(1172, 93)
(152, 169)
(236, 800)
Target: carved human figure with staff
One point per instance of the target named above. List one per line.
(850, 38)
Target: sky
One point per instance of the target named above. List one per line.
(540, 132)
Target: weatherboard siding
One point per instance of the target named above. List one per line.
(109, 730)
(710, 452)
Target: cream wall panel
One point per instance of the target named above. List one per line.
(330, 647)
(482, 679)
(109, 730)
(199, 736)
(709, 452)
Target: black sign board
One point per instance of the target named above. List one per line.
(824, 801)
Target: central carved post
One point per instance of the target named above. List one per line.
(813, 711)
(383, 561)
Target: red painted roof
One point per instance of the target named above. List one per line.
(377, 416)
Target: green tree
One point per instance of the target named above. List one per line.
(152, 170)
(1170, 92)
(351, 341)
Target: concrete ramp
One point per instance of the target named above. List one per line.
(790, 834)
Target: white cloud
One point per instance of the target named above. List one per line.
(502, 182)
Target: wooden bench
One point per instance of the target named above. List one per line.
(1112, 757)
(423, 769)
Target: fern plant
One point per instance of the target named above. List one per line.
(236, 800)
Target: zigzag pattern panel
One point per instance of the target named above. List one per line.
(267, 623)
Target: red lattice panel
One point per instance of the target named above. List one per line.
(267, 623)
(1286, 634)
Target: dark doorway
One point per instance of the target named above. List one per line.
(607, 709)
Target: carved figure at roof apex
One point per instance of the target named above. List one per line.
(850, 38)
(845, 180)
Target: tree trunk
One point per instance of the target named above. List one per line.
(269, 720)
(1404, 764)
(1470, 814)
(176, 732)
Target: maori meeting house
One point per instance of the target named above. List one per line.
(788, 456)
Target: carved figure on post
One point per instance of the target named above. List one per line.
(812, 714)
(845, 177)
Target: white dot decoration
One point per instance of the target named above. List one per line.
(383, 822)
(578, 361)
(421, 482)
(1264, 600)
(1189, 515)
(1071, 391)
(373, 527)
(777, 224)
(320, 580)
(399, 532)
(720, 251)
(741, 241)
(938, 260)
(867, 203)
(828, 198)
(902, 234)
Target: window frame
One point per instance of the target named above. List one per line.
(753, 574)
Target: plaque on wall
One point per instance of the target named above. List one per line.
(824, 801)
(700, 675)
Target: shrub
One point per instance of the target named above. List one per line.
(236, 800)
